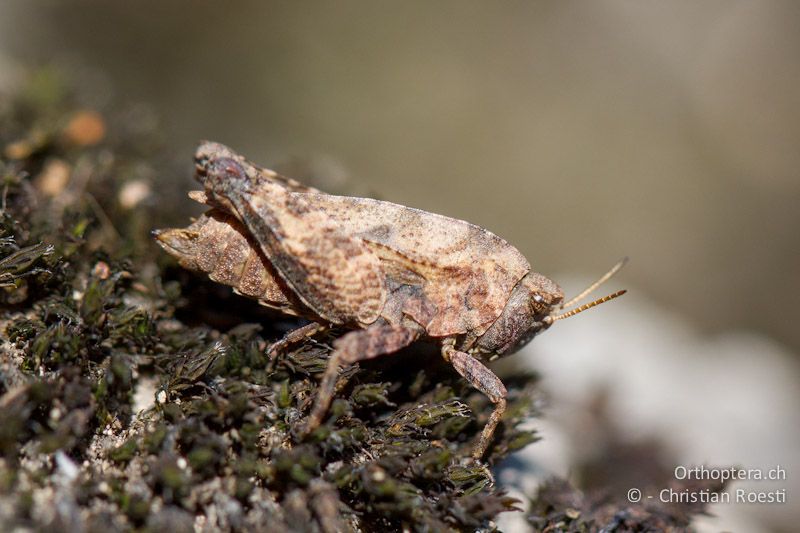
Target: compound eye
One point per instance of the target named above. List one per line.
(538, 298)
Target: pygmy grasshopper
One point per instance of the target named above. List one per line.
(391, 274)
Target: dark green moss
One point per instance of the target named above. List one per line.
(124, 452)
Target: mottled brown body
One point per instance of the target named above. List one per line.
(390, 273)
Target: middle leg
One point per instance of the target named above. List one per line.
(355, 346)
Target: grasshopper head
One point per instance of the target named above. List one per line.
(535, 304)
(525, 315)
(543, 294)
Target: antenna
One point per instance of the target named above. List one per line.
(572, 312)
(607, 276)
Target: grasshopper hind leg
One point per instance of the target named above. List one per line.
(358, 345)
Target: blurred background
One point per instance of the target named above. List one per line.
(580, 132)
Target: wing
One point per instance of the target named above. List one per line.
(335, 274)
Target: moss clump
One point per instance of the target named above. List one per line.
(559, 507)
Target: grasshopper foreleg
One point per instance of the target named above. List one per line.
(485, 381)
